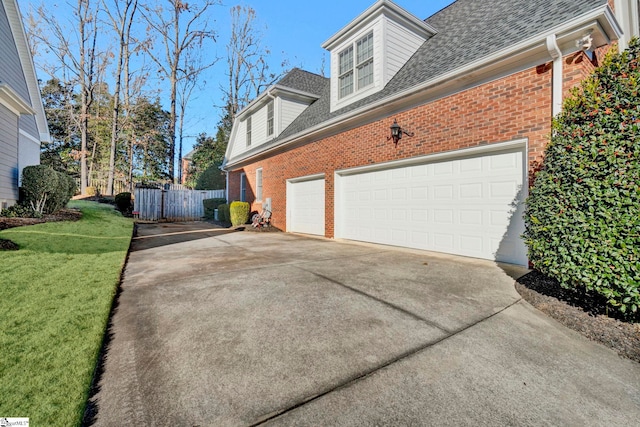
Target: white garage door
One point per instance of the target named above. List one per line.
(305, 206)
(467, 206)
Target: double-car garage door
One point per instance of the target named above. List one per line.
(468, 203)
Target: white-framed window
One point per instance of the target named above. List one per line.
(248, 132)
(364, 60)
(259, 184)
(346, 72)
(243, 187)
(270, 119)
(362, 67)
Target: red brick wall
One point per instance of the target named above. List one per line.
(514, 107)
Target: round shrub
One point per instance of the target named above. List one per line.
(46, 190)
(583, 212)
(123, 201)
(239, 212)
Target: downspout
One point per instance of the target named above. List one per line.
(556, 55)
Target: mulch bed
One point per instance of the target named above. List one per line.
(584, 313)
(8, 245)
(61, 215)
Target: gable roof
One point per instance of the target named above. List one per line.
(468, 31)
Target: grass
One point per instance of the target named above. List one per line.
(55, 296)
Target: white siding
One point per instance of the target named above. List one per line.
(239, 138)
(8, 156)
(289, 110)
(401, 45)
(285, 111)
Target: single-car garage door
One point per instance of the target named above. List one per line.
(469, 203)
(305, 205)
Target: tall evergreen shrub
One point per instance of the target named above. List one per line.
(583, 212)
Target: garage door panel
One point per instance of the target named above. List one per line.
(461, 206)
(306, 206)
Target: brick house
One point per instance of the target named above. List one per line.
(474, 87)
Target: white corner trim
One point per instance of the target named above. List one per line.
(29, 137)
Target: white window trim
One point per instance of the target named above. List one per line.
(352, 48)
(259, 185)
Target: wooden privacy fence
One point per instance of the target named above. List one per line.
(172, 205)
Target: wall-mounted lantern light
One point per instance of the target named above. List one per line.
(397, 131)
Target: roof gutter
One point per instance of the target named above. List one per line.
(519, 50)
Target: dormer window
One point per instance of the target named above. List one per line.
(363, 65)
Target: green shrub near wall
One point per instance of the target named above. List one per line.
(223, 213)
(210, 205)
(45, 189)
(583, 213)
(239, 213)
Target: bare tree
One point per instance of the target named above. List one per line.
(121, 20)
(247, 68)
(185, 90)
(79, 59)
(181, 27)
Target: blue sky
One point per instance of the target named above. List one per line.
(292, 29)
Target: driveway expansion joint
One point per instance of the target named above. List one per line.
(359, 377)
(381, 301)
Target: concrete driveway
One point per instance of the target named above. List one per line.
(220, 328)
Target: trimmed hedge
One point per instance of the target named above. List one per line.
(210, 205)
(45, 189)
(239, 213)
(223, 213)
(583, 213)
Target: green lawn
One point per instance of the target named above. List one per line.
(55, 297)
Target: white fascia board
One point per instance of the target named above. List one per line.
(28, 67)
(382, 6)
(14, 102)
(513, 57)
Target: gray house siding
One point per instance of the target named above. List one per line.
(28, 125)
(8, 157)
(10, 68)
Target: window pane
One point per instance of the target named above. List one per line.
(346, 84)
(249, 131)
(270, 119)
(346, 60)
(365, 74)
(365, 48)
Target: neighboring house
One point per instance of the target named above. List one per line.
(186, 164)
(476, 83)
(23, 125)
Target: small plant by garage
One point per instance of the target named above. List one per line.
(583, 212)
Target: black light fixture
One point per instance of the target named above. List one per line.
(396, 132)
